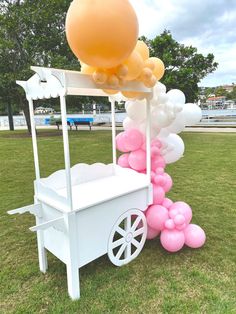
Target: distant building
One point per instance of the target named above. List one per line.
(228, 88)
(216, 102)
(230, 104)
(43, 110)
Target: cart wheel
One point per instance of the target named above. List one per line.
(127, 237)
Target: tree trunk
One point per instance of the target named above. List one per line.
(24, 105)
(10, 117)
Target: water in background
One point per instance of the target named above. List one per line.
(222, 116)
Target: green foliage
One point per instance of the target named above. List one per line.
(185, 67)
(190, 281)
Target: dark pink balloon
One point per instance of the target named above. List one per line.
(158, 162)
(195, 236)
(168, 182)
(133, 139)
(152, 233)
(156, 217)
(137, 160)
(158, 194)
(160, 180)
(172, 240)
(123, 161)
(167, 203)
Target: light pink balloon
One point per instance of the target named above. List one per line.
(123, 161)
(168, 182)
(159, 170)
(155, 151)
(167, 203)
(181, 227)
(158, 194)
(172, 240)
(133, 139)
(195, 236)
(120, 143)
(169, 224)
(137, 160)
(152, 233)
(158, 162)
(156, 143)
(179, 219)
(184, 209)
(156, 217)
(160, 180)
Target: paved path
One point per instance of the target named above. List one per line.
(94, 128)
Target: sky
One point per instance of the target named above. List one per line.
(209, 25)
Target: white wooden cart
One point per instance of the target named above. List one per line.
(86, 211)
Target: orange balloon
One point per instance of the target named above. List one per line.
(149, 64)
(142, 49)
(87, 69)
(99, 77)
(150, 82)
(110, 91)
(159, 67)
(101, 33)
(135, 65)
(131, 94)
(113, 81)
(145, 74)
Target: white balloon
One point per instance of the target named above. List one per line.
(157, 89)
(130, 124)
(176, 96)
(178, 124)
(159, 118)
(192, 114)
(136, 110)
(176, 143)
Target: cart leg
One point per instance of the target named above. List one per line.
(42, 254)
(72, 265)
(73, 281)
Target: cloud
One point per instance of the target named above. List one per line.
(208, 25)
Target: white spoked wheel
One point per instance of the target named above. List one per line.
(127, 237)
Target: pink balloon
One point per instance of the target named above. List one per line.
(158, 194)
(195, 236)
(133, 139)
(155, 151)
(168, 182)
(172, 240)
(160, 180)
(137, 160)
(184, 209)
(158, 162)
(179, 219)
(169, 224)
(120, 143)
(159, 170)
(156, 143)
(152, 233)
(167, 203)
(156, 217)
(123, 161)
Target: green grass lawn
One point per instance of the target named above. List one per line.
(191, 281)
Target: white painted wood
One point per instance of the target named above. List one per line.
(66, 151)
(72, 266)
(113, 130)
(129, 226)
(34, 139)
(47, 224)
(34, 209)
(148, 140)
(42, 254)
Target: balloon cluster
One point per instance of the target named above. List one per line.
(169, 115)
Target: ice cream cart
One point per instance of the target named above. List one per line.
(85, 211)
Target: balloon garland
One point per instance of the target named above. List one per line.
(103, 34)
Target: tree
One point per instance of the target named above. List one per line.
(185, 67)
(31, 33)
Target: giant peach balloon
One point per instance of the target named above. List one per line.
(142, 49)
(134, 64)
(101, 33)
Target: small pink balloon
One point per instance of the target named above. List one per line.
(179, 219)
(169, 224)
(152, 233)
(172, 240)
(167, 203)
(123, 161)
(133, 139)
(120, 143)
(156, 143)
(181, 227)
(168, 182)
(173, 212)
(158, 162)
(184, 209)
(158, 194)
(160, 180)
(195, 236)
(137, 160)
(156, 217)
(159, 170)
(155, 151)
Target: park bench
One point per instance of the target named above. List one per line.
(76, 123)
